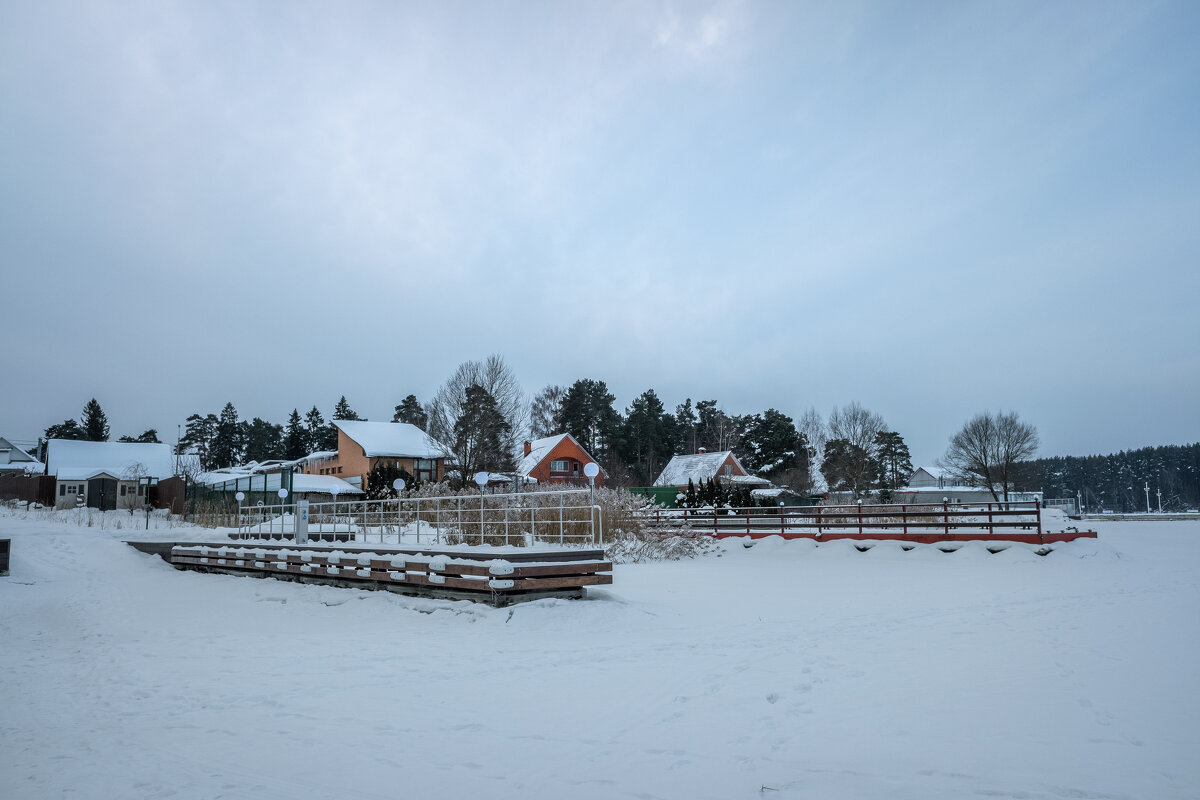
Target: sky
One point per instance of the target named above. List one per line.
(932, 209)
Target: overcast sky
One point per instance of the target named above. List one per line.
(930, 208)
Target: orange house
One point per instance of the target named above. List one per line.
(362, 445)
(557, 459)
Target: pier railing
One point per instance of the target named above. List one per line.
(522, 519)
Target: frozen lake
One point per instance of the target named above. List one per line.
(819, 672)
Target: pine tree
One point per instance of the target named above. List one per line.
(690, 499)
(892, 456)
(480, 433)
(148, 437)
(198, 438)
(67, 429)
(381, 480)
(94, 422)
(317, 432)
(588, 415)
(264, 440)
(228, 443)
(410, 411)
(295, 442)
(343, 411)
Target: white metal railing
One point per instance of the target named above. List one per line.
(1067, 504)
(562, 517)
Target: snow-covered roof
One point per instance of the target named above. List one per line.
(14, 459)
(70, 459)
(538, 450)
(395, 439)
(750, 480)
(322, 483)
(697, 467)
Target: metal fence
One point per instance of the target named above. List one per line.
(522, 519)
(1067, 504)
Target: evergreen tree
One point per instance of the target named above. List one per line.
(148, 437)
(264, 440)
(690, 499)
(410, 411)
(198, 438)
(647, 437)
(381, 478)
(228, 443)
(893, 459)
(317, 432)
(94, 422)
(342, 410)
(480, 434)
(67, 429)
(295, 442)
(588, 415)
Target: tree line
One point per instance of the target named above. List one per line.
(1117, 482)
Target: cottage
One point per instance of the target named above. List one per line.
(722, 466)
(364, 445)
(556, 459)
(106, 475)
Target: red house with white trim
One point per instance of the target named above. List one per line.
(557, 459)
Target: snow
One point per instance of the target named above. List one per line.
(394, 439)
(78, 460)
(698, 467)
(811, 669)
(322, 483)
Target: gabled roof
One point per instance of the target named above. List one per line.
(541, 448)
(71, 459)
(393, 439)
(18, 459)
(697, 467)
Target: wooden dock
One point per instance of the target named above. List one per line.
(477, 575)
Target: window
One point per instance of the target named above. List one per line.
(339, 470)
(728, 470)
(71, 489)
(561, 465)
(425, 469)
(141, 490)
(62, 490)
(123, 490)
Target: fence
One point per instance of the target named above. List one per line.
(925, 519)
(1067, 504)
(562, 517)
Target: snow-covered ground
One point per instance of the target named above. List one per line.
(812, 671)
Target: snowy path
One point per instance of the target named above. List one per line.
(820, 672)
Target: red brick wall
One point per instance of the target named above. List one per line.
(566, 449)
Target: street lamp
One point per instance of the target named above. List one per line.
(591, 470)
(334, 490)
(283, 493)
(482, 479)
(1147, 497)
(1159, 491)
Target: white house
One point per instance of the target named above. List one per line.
(722, 466)
(15, 461)
(106, 475)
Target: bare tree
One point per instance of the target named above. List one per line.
(495, 377)
(856, 425)
(986, 449)
(812, 425)
(544, 412)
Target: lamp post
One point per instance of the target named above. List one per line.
(591, 470)
(1147, 497)
(398, 485)
(1159, 492)
(240, 496)
(481, 478)
(283, 493)
(334, 490)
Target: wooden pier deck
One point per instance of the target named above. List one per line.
(498, 579)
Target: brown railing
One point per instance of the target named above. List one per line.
(924, 519)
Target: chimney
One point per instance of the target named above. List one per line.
(528, 447)
(701, 450)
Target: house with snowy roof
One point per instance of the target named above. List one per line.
(722, 466)
(556, 459)
(15, 461)
(106, 475)
(364, 445)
